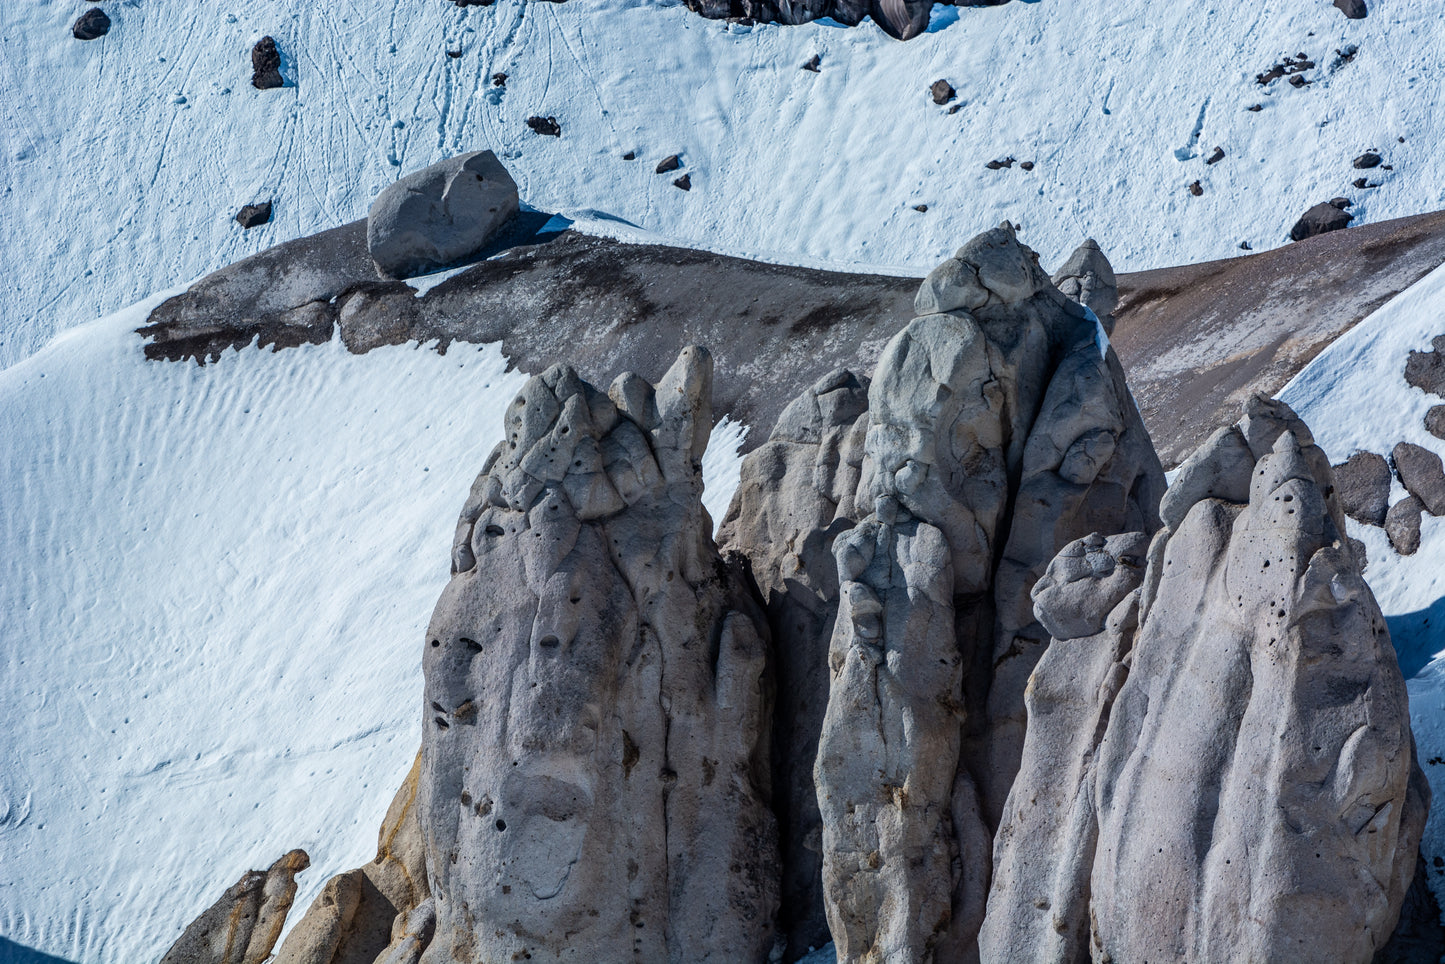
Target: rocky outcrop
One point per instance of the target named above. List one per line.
(440, 215)
(266, 65)
(595, 781)
(91, 25)
(1088, 278)
(794, 497)
(242, 927)
(1238, 778)
(998, 431)
(901, 19)
(355, 918)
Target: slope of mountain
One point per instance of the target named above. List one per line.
(1118, 107)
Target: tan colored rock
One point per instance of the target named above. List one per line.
(242, 927)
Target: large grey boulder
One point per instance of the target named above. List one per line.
(243, 926)
(1088, 278)
(595, 765)
(1422, 474)
(794, 496)
(1363, 483)
(1250, 791)
(440, 215)
(997, 433)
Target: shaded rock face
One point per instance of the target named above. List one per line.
(355, 918)
(1088, 278)
(440, 215)
(1321, 219)
(997, 433)
(1422, 474)
(1234, 769)
(242, 927)
(794, 497)
(1363, 483)
(91, 25)
(594, 781)
(901, 19)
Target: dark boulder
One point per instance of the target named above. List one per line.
(92, 25)
(942, 92)
(1367, 160)
(254, 215)
(1426, 369)
(1422, 474)
(668, 164)
(1402, 525)
(684, 182)
(1321, 219)
(1363, 484)
(1435, 421)
(1354, 9)
(546, 126)
(266, 65)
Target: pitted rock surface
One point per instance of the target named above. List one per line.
(440, 215)
(595, 779)
(794, 496)
(1261, 684)
(997, 433)
(243, 926)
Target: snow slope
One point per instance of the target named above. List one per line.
(1354, 396)
(143, 144)
(214, 584)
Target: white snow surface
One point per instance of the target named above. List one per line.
(214, 585)
(125, 158)
(1354, 397)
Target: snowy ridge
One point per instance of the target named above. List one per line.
(1118, 104)
(214, 585)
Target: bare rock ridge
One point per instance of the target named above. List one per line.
(243, 926)
(595, 765)
(998, 431)
(1280, 824)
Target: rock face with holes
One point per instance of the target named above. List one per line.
(997, 433)
(794, 497)
(595, 767)
(1088, 278)
(242, 927)
(440, 215)
(1227, 762)
(365, 914)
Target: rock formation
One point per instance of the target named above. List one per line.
(1323, 218)
(91, 25)
(242, 927)
(901, 19)
(1363, 484)
(595, 779)
(355, 919)
(440, 215)
(1224, 769)
(998, 431)
(266, 65)
(794, 497)
(1088, 278)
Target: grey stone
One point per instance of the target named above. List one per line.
(1422, 474)
(440, 215)
(266, 65)
(242, 927)
(254, 215)
(1088, 278)
(669, 163)
(351, 921)
(1226, 771)
(1363, 484)
(595, 764)
(1402, 525)
(1320, 219)
(1435, 421)
(1367, 160)
(794, 496)
(1354, 9)
(995, 437)
(941, 91)
(1426, 369)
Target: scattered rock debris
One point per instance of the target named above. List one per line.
(814, 62)
(955, 108)
(921, 208)
(1245, 246)
(630, 156)
(1289, 67)
(546, 126)
(454, 54)
(1255, 108)
(1346, 55)
(1367, 160)
(254, 215)
(684, 182)
(669, 164)
(998, 165)
(1216, 156)
(1196, 189)
(499, 80)
(1298, 81)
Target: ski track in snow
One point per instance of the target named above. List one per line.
(786, 165)
(214, 585)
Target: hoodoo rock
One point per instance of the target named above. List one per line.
(440, 215)
(595, 764)
(1088, 278)
(242, 927)
(794, 497)
(1251, 675)
(998, 432)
